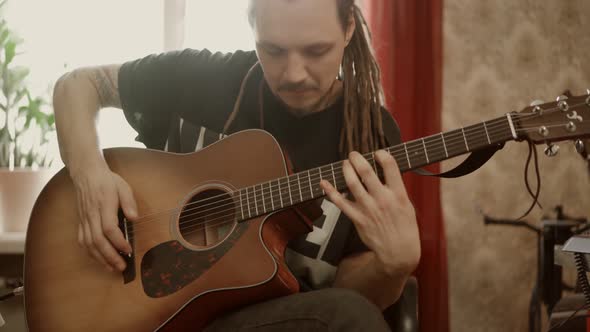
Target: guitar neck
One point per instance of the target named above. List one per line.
(300, 187)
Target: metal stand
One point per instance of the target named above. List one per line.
(549, 285)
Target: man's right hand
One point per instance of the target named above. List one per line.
(77, 98)
(100, 192)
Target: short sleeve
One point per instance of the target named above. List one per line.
(197, 85)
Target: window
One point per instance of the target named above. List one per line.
(220, 25)
(61, 35)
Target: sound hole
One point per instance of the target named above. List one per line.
(208, 218)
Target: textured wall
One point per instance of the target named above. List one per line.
(499, 56)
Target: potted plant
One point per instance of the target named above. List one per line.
(27, 127)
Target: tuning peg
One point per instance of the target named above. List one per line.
(580, 147)
(551, 150)
(562, 103)
(536, 108)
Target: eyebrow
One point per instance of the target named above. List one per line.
(317, 45)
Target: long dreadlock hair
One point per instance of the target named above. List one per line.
(363, 94)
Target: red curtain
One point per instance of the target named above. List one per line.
(407, 36)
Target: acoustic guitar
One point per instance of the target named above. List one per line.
(214, 225)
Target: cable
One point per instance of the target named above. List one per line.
(582, 267)
(14, 292)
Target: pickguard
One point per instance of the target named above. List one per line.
(170, 266)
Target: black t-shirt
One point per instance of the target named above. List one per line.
(180, 101)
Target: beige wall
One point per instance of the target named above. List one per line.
(499, 56)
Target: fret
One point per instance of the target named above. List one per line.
(289, 186)
(465, 138)
(477, 136)
(442, 136)
(242, 205)
(280, 193)
(487, 134)
(262, 195)
(272, 201)
(299, 183)
(333, 176)
(455, 145)
(309, 179)
(417, 153)
(407, 156)
(425, 152)
(255, 200)
(248, 203)
(320, 172)
(435, 147)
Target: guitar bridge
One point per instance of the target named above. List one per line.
(127, 228)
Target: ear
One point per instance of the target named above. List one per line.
(350, 29)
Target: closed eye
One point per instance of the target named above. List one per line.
(318, 51)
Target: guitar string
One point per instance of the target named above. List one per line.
(453, 142)
(225, 220)
(321, 173)
(398, 148)
(256, 202)
(255, 193)
(233, 212)
(418, 147)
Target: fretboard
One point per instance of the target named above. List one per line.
(300, 187)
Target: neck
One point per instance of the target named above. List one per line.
(304, 186)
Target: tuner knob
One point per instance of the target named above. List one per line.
(551, 150)
(536, 108)
(580, 147)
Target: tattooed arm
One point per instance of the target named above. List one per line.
(77, 98)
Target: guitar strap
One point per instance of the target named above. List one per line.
(472, 163)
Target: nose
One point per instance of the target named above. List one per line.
(295, 71)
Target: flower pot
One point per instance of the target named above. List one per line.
(19, 189)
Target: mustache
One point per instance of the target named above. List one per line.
(298, 86)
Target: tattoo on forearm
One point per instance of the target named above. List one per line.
(105, 82)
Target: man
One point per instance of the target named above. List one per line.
(314, 84)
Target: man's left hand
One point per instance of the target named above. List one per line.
(381, 212)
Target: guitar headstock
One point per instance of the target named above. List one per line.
(567, 118)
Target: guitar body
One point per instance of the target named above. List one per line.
(179, 281)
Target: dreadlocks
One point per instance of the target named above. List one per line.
(363, 94)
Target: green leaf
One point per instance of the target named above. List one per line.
(4, 33)
(19, 95)
(14, 80)
(51, 119)
(9, 51)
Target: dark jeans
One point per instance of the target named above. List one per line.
(330, 309)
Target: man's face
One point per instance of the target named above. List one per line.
(300, 45)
